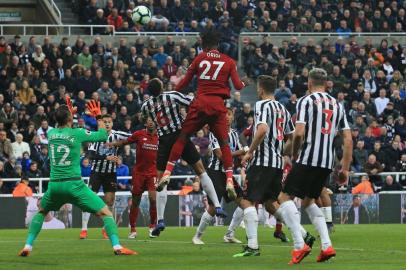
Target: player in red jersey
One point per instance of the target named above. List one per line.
(213, 70)
(144, 172)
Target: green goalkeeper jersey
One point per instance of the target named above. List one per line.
(64, 150)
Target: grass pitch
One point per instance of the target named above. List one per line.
(358, 247)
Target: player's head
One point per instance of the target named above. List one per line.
(317, 79)
(155, 87)
(266, 86)
(63, 116)
(210, 39)
(230, 117)
(108, 121)
(149, 124)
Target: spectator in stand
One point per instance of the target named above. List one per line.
(105, 93)
(283, 93)
(115, 19)
(372, 167)
(360, 156)
(160, 57)
(43, 131)
(365, 187)
(6, 150)
(242, 118)
(19, 147)
(400, 127)
(392, 156)
(390, 184)
(381, 101)
(23, 189)
(122, 170)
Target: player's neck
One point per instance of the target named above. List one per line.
(265, 97)
(318, 89)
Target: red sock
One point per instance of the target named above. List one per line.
(278, 227)
(176, 152)
(133, 215)
(227, 158)
(152, 212)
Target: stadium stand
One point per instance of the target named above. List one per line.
(366, 75)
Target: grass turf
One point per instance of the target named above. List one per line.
(358, 247)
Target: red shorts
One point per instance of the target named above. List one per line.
(207, 110)
(142, 183)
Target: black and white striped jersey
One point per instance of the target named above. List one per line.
(165, 111)
(323, 117)
(278, 119)
(234, 143)
(98, 152)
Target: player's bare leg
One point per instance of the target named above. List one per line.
(134, 210)
(251, 229)
(152, 212)
(109, 199)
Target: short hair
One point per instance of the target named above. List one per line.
(155, 87)
(62, 115)
(318, 76)
(267, 83)
(210, 38)
(107, 116)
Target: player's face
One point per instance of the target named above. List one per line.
(229, 117)
(108, 122)
(150, 125)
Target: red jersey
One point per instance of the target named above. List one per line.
(213, 70)
(146, 151)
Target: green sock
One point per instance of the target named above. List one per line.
(111, 230)
(35, 228)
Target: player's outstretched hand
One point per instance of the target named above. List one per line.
(343, 177)
(94, 108)
(73, 110)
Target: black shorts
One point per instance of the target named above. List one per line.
(190, 154)
(263, 184)
(306, 181)
(106, 180)
(219, 182)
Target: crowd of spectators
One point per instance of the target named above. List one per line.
(235, 16)
(366, 77)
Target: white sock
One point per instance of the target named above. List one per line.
(251, 226)
(290, 215)
(327, 213)
(303, 231)
(85, 220)
(238, 216)
(117, 247)
(29, 247)
(317, 218)
(204, 223)
(208, 187)
(161, 199)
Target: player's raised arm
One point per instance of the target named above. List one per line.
(235, 78)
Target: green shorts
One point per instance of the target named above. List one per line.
(75, 192)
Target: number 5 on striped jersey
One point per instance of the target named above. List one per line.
(279, 127)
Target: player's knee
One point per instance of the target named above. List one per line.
(199, 168)
(104, 212)
(283, 197)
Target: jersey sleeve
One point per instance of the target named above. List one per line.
(248, 131)
(301, 111)
(120, 135)
(84, 135)
(261, 114)
(181, 99)
(191, 71)
(289, 127)
(134, 138)
(343, 123)
(214, 144)
(235, 78)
